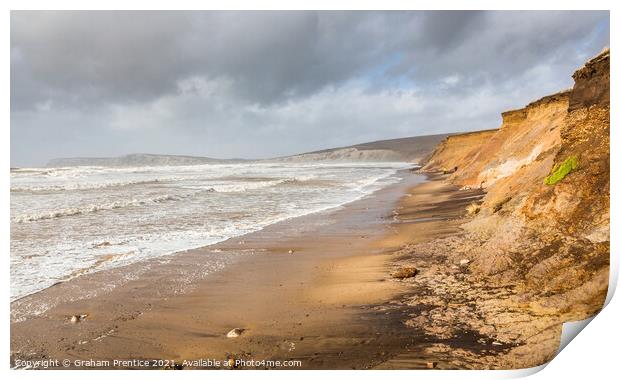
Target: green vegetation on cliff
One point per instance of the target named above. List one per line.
(560, 171)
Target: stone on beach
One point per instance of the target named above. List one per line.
(464, 262)
(234, 333)
(405, 272)
(78, 318)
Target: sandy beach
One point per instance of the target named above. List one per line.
(316, 289)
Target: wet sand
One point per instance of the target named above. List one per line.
(330, 304)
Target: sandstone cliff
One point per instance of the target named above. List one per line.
(541, 231)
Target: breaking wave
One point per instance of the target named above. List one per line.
(95, 208)
(81, 186)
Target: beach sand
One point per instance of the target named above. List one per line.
(330, 304)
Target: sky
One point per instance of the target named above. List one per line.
(264, 84)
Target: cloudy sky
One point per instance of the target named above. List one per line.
(260, 84)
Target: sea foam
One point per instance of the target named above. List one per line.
(67, 222)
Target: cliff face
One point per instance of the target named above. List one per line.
(408, 149)
(463, 149)
(591, 83)
(569, 220)
(345, 155)
(483, 158)
(542, 228)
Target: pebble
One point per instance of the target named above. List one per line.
(405, 272)
(78, 318)
(234, 333)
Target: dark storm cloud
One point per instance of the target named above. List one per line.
(123, 56)
(99, 83)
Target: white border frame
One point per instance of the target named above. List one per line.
(594, 354)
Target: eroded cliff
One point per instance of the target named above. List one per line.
(540, 233)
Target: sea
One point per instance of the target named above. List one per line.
(70, 221)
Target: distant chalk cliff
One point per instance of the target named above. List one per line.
(409, 149)
(137, 160)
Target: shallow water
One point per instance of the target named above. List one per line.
(70, 221)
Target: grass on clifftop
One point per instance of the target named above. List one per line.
(560, 171)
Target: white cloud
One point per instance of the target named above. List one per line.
(450, 80)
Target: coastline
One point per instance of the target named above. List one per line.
(189, 214)
(331, 303)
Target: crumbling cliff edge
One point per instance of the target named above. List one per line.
(534, 251)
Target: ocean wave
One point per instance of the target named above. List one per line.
(99, 207)
(237, 184)
(274, 182)
(30, 171)
(308, 182)
(53, 172)
(241, 187)
(82, 186)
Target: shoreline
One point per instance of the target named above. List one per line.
(331, 303)
(163, 256)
